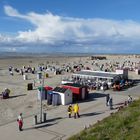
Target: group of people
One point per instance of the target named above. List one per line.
(74, 109)
(21, 71)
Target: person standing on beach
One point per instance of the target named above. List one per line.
(20, 121)
(76, 111)
(107, 99)
(70, 108)
(111, 103)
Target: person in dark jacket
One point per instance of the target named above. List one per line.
(107, 99)
(70, 109)
(111, 103)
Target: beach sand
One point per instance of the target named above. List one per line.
(22, 100)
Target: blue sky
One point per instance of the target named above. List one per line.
(81, 26)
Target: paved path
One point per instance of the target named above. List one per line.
(58, 125)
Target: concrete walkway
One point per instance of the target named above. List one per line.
(58, 125)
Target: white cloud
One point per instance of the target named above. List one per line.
(54, 29)
(4, 38)
(11, 11)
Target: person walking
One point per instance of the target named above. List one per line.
(20, 121)
(70, 109)
(107, 99)
(76, 111)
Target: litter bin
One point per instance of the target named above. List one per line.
(35, 117)
(44, 116)
(30, 86)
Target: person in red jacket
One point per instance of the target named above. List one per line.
(20, 121)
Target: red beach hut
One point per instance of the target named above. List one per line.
(79, 91)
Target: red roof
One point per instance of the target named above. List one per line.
(48, 88)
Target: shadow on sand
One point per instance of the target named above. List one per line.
(98, 95)
(92, 97)
(44, 124)
(39, 126)
(15, 96)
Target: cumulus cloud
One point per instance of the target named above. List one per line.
(102, 35)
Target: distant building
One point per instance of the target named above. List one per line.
(99, 75)
(98, 58)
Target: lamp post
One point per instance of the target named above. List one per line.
(41, 99)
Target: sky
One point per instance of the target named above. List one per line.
(70, 26)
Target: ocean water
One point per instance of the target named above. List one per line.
(16, 55)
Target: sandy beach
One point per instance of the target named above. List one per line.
(22, 100)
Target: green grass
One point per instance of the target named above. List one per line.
(122, 125)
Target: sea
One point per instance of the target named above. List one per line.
(4, 55)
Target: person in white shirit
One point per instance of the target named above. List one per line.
(130, 99)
